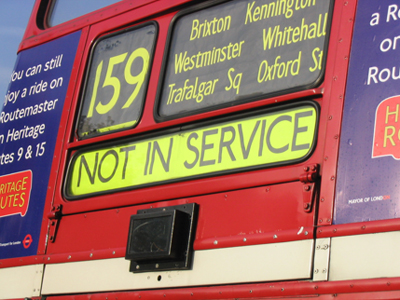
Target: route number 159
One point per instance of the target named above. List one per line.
(117, 81)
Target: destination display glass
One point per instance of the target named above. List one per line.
(117, 81)
(242, 51)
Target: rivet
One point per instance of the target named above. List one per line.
(316, 271)
(306, 233)
(215, 242)
(91, 255)
(244, 240)
(157, 266)
(275, 236)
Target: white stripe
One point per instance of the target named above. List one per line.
(365, 256)
(21, 282)
(270, 262)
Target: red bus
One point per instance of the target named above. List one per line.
(241, 149)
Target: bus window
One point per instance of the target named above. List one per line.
(116, 82)
(240, 51)
(65, 10)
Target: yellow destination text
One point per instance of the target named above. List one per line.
(191, 90)
(278, 37)
(263, 140)
(256, 13)
(208, 28)
(184, 63)
(278, 69)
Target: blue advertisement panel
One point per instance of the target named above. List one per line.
(369, 168)
(29, 122)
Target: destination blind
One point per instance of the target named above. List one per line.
(243, 50)
(117, 81)
(272, 138)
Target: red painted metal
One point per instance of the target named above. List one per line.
(331, 110)
(365, 289)
(277, 205)
(359, 228)
(274, 214)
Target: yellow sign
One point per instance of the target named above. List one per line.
(268, 139)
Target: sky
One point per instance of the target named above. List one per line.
(14, 16)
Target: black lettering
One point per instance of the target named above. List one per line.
(85, 164)
(165, 163)
(261, 147)
(109, 152)
(226, 144)
(205, 146)
(246, 150)
(268, 139)
(195, 136)
(126, 150)
(146, 166)
(298, 129)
